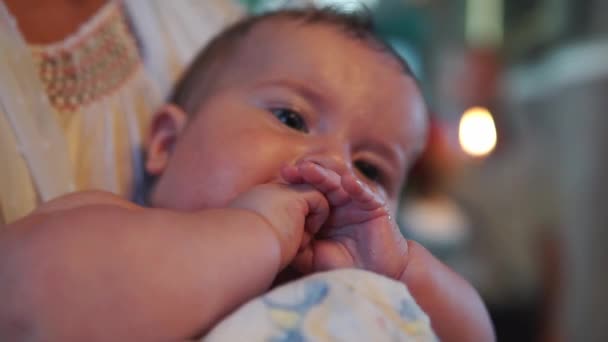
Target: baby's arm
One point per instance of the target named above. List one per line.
(113, 271)
(456, 310)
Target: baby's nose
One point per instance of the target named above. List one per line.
(332, 162)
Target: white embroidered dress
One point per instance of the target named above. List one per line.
(73, 114)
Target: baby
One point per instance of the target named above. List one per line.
(285, 146)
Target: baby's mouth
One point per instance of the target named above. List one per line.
(285, 276)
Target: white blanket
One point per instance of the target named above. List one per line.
(342, 305)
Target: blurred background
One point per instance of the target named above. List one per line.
(510, 191)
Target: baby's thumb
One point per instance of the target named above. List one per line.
(318, 211)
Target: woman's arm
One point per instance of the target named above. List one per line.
(120, 272)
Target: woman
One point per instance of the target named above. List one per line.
(78, 81)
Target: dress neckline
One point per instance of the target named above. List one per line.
(91, 63)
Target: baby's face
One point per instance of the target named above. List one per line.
(295, 92)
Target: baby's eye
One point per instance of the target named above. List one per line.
(290, 118)
(369, 171)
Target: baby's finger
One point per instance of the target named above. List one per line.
(326, 181)
(361, 194)
(291, 174)
(318, 211)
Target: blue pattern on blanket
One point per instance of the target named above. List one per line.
(288, 316)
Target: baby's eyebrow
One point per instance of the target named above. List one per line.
(390, 152)
(308, 93)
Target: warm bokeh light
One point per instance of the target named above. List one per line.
(347, 5)
(477, 132)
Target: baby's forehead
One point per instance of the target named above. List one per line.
(326, 60)
(276, 32)
(318, 51)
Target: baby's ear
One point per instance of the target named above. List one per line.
(166, 126)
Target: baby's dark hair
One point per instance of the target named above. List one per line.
(195, 83)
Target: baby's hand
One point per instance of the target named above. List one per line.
(359, 231)
(294, 212)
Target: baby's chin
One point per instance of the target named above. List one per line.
(285, 276)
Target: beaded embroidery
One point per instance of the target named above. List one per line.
(90, 66)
